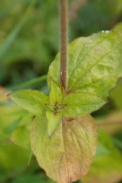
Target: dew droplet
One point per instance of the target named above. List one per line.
(107, 31)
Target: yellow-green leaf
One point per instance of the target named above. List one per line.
(81, 103)
(55, 93)
(68, 154)
(31, 100)
(54, 120)
(94, 66)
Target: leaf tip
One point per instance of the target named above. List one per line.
(49, 134)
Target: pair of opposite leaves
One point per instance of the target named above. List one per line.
(63, 136)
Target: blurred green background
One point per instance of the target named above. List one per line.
(29, 41)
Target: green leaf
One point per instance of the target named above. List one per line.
(116, 96)
(21, 137)
(31, 100)
(106, 167)
(110, 123)
(94, 66)
(55, 93)
(31, 178)
(67, 155)
(102, 150)
(54, 120)
(118, 27)
(13, 159)
(12, 118)
(81, 103)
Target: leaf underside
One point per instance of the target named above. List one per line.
(67, 155)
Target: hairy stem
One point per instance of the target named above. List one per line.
(63, 42)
